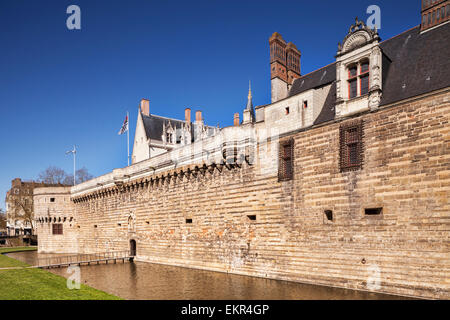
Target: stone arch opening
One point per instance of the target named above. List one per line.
(132, 248)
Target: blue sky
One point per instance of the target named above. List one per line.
(60, 87)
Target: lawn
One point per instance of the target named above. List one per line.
(37, 284)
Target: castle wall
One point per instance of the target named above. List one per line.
(52, 205)
(406, 171)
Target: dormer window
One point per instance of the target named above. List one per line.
(359, 71)
(169, 137)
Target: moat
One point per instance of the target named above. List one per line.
(146, 281)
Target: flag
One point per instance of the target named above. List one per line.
(124, 126)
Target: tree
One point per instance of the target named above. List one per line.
(82, 175)
(53, 175)
(2, 220)
(20, 207)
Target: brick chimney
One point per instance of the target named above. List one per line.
(187, 115)
(434, 13)
(284, 66)
(293, 63)
(16, 182)
(236, 119)
(278, 72)
(145, 107)
(198, 116)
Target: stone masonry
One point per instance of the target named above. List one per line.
(238, 218)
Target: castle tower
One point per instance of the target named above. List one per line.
(434, 13)
(278, 71)
(293, 63)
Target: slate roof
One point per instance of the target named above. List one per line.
(154, 126)
(420, 63)
(315, 79)
(328, 111)
(413, 64)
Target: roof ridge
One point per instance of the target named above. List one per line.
(173, 119)
(162, 117)
(400, 34)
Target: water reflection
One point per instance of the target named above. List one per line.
(140, 280)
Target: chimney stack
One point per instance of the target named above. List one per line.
(16, 182)
(198, 116)
(293, 63)
(434, 13)
(187, 115)
(236, 119)
(284, 66)
(145, 107)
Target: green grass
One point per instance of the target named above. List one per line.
(17, 249)
(37, 284)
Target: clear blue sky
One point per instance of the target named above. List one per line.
(61, 87)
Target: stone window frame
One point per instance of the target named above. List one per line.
(351, 136)
(286, 160)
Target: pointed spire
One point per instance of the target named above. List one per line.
(250, 102)
(249, 112)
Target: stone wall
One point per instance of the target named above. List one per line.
(404, 250)
(52, 205)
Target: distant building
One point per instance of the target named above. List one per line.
(19, 207)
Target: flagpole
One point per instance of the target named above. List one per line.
(128, 139)
(74, 153)
(74, 163)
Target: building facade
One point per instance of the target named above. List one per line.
(20, 208)
(343, 180)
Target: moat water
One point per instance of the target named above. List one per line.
(147, 281)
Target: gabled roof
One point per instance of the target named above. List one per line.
(153, 126)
